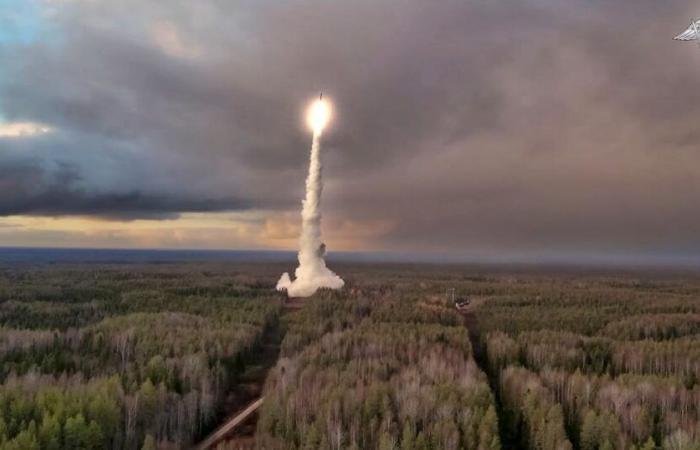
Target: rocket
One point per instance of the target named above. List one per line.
(692, 33)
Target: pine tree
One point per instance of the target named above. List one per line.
(407, 437)
(148, 402)
(386, 442)
(25, 440)
(149, 443)
(312, 439)
(589, 431)
(607, 445)
(649, 444)
(555, 435)
(76, 433)
(106, 412)
(488, 430)
(3, 430)
(421, 442)
(94, 437)
(50, 433)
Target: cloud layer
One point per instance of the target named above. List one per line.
(536, 127)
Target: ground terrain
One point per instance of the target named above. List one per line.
(159, 355)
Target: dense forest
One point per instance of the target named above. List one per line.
(596, 363)
(148, 356)
(378, 367)
(574, 361)
(122, 357)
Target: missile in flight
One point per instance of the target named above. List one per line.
(692, 33)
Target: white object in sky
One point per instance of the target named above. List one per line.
(692, 33)
(312, 273)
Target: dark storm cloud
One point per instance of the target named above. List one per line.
(478, 126)
(28, 188)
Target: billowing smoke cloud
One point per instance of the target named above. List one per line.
(312, 272)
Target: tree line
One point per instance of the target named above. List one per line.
(147, 362)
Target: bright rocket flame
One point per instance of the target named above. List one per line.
(318, 115)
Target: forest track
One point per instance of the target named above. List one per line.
(471, 322)
(229, 426)
(237, 431)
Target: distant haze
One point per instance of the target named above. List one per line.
(534, 129)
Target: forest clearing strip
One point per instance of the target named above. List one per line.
(229, 426)
(232, 430)
(480, 357)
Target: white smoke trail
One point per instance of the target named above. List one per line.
(312, 272)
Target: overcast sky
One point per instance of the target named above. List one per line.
(476, 128)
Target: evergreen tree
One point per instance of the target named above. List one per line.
(76, 433)
(589, 431)
(421, 442)
(312, 439)
(50, 433)
(105, 409)
(649, 444)
(149, 443)
(94, 437)
(408, 437)
(386, 441)
(488, 430)
(3, 430)
(25, 440)
(607, 445)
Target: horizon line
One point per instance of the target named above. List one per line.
(647, 262)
